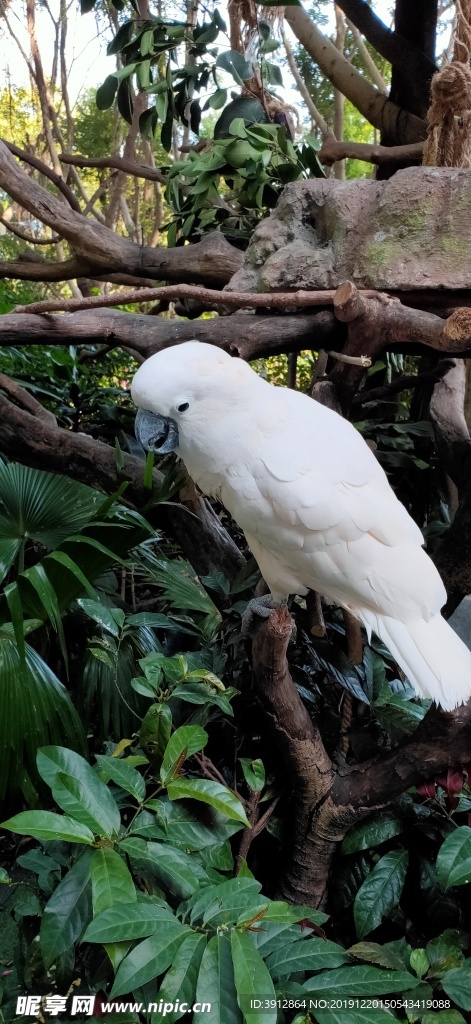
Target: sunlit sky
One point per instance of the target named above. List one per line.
(86, 50)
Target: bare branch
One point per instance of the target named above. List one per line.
(332, 150)
(24, 234)
(119, 163)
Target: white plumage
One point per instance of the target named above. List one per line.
(313, 502)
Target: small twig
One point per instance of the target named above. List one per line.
(315, 614)
(265, 818)
(363, 361)
(248, 835)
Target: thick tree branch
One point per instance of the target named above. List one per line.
(399, 125)
(401, 53)
(213, 260)
(378, 322)
(39, 165)
(326, 800)
(249, 337)
(332, 150)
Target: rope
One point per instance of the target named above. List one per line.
(449, 117)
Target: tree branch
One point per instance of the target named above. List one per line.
(401, 53)
(400, 125)
(249, 337)
(332, 150)
(118, 162)
(213, 260)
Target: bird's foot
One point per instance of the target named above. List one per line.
(262, 607)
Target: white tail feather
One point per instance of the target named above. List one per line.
(434, 659)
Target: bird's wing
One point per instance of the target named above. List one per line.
(322, 505)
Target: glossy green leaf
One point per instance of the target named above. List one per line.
(216, 984)
(310, 955)
(180, 980)
(254, 773)
(373, 832)
(111, 883)
(360, 982)
(252, 979)
(47, 825)
(100, 614)
(128, 920)
(380, 892)
(177, 871)
(78, 790)
(213, 793)
(453, 864)
(184, 742)
(150, 958)
(235, 64)
(67, 912)
(123, 775)
(224, 903)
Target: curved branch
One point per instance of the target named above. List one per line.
(213, 260)
(333, 150)
(118, 162)
(24, 234)
(43, 168)
(381, 112)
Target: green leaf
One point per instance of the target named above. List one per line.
(106, 93)
(150, 958)
(213, 793)
(78, 790)
(361, 982)
(154, 733)
(218, 99)
(308, 955)
(376, 954)
(457, 985)
(177, 871)
(67, 912)
(443, 1017)
(35, 708)
(100, 614)
(46, 825)
(252, 979)
(128, 920)
(122, 38)
(235, 64)
(254, 773)
(180, 981)
(224, 903)
(380, 892)
(372, 832)
(453, 864)
(184, 742)
(123, 775)
(216, 984)
(111, 882)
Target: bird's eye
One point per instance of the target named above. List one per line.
(183, 407)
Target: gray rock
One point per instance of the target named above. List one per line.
(412, 231)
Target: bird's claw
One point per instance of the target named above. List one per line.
(261, 607)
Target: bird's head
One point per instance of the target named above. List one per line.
(184, 389)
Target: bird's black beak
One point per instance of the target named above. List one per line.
(156, 433)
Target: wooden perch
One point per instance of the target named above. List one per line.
(376, 322)
(327, 799)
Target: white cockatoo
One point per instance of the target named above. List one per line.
(314, 504)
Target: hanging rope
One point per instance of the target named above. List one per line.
(449, 117)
